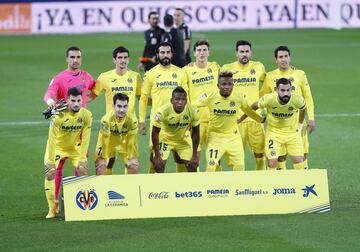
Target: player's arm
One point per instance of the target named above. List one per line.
(159, 164)
(51, 93)
(138, 86)
(145, 93)
(86, 131)
(195, 137)
(97, 89)
(51, 144)
(254, 106)
(305, 89)
(187, 39)
(131, 139)
(104, 138)
(265, 89)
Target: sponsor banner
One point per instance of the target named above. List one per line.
(129, 16)
(15, 18)
(195, 194)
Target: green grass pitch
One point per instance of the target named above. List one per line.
(27, 63)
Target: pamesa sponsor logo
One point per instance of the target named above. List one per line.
(216, 193)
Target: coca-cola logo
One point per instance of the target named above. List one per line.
(159, 195)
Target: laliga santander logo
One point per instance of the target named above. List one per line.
(87, 199)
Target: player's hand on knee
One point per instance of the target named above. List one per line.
(142, 128)
(159, 164)
(132, 165)
(82, 168)
(49, 171)
(100, 166)
(192, 165)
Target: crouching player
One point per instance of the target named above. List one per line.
(170, 132)
(69, 137)
(285, 115)
(117, 135)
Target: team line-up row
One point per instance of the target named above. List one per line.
(199, 104)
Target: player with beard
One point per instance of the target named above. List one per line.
(285, 116)
(69, 137)
(299, 85)
(118, 134)
(152, 38)
(159, 83)
(248, 76)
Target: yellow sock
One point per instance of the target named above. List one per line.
(281, 165)
(49, 186)
(260, 163)
(180, 168)
(299, 166)
(306, 166)
(108, 171)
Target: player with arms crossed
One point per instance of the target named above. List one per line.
(119, 80)
(202, 78)
(299, 85)
(159, 83)
(117, 134)
(285, 115)
(248, 75)
(69, 137)
(223, 133)
(171, 133)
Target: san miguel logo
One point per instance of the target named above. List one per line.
(87, 199)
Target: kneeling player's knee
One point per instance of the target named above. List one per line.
(100, 166)
(49, 171)
(82, 170)
(272, 163)
(132, 166)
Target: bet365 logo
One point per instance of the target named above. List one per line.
(86, 199)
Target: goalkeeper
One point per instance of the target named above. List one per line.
(117, 134)
(69, 136)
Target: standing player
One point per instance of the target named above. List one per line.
(152, 39)
(179, 22)
(171, 133)
(223, 133)
(202, 78)
(73, 76)
(299, 85)
(69, 136)
(159, 83)
(247, 76)
(174, 37)
(285, 112)
(119, 80)
(117, 134)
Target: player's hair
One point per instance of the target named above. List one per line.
(202, 42)
(283, 81)
(178, 90)
(121, 97)
(74, 91)
(72, 48)
(242, 43)
(152, 13)
(168, 20)
(225, 74)
(163, 44)
(120, 49)
(180, 9)
(281, 48)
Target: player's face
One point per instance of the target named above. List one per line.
(201, 53)
(178, 17)
(225, 85)
(75, 103)
(178, 100)
(284, 92)
(121, 107)
(165, 55)
(154, 20)
(283, 60)
(243, 54)
(74, 60)
(122, 60)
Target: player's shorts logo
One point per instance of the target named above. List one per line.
(252, 71)
(232, 104)
(174, 75)
(86, 199)
(130, 80)
(209, 70)
(273, 153)
(211, 162)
